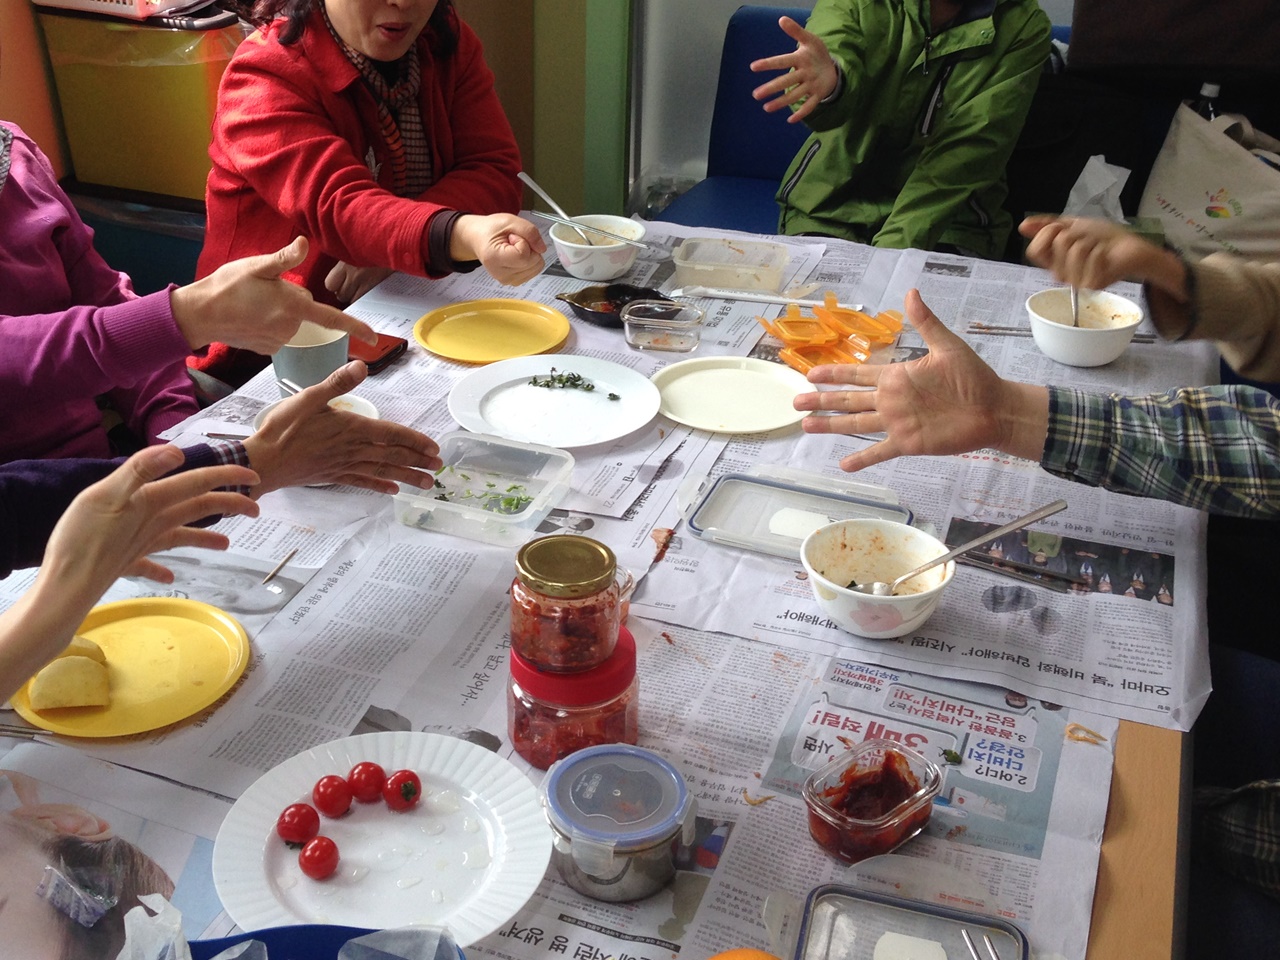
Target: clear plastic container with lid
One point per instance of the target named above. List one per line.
(551, 715)
(619, 816)
(566, 603)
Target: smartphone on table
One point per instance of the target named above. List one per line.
(377, 355)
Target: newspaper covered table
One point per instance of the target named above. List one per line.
(375, 625)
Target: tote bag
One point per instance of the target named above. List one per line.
(1213, 193)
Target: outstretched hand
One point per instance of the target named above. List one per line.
(304, 440)
(947, 402)
(507, 246)
(810, 74)
(248, 303)
(111, 527)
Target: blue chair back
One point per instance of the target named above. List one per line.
(746, 141)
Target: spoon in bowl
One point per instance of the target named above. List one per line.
(879, 588)
(1075, 305)
(529, 181)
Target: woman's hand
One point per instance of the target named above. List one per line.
(507, 246)
(947, 402)
(248, 303)
(811, 74)
(1095, 253)
(304, 440)
(349, 283)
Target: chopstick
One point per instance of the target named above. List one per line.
(1025, 567)
(986, 941)
(289, 385)
(583, 226)
(990, 330)
(227, 436)
(1039, 579)
(280, 566)
(717, 293)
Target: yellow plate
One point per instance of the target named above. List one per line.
(482, 331)
(168, 659)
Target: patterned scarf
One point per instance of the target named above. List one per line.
(399, 117)
(6, 144)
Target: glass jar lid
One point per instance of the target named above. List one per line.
(566, 566)
(617, 796)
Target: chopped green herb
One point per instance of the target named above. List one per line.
(952, 757)
(614, 396)
(562, 381)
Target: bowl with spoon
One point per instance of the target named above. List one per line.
(882, 579)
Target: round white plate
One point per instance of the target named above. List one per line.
(467, 857)
(731, 394)
(500, 400)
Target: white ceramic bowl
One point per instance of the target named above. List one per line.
(603, 260)
(1107, 324)
(865, 550)
(347, 402)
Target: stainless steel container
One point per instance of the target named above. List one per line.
(619, 815)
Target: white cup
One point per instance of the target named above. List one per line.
(312, 354)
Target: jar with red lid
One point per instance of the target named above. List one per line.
(566, 603)
(551, 715)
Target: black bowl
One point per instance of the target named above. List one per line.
(602, 304)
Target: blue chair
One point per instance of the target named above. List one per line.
(749, 150)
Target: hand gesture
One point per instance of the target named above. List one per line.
(947, 402)
(811, 74)
(1096, 253)
(109, 529)
(247, 303)
(507, 246)
(304, 440)
(349, 283)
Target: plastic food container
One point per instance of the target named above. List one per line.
(662, 325)
(870, 800)
(735, 264)
(566, 603)
(489, 489)
(619, 816)
(551, 715)
(842, 921)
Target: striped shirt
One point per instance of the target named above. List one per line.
(1210, 448)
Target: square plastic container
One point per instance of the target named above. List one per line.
(842, 922)
(732, 264)
(489, 489)
(871, 799)
(662, 325)
(773, 514)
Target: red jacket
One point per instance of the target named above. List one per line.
(297, 150)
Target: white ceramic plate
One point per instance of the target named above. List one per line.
(731, 394)
(499, 399)
(467, 857)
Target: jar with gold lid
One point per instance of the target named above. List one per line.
(566, 603)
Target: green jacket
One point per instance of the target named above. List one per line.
(911, 149)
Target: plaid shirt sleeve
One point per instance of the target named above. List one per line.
(217, 454)
(1210, 448)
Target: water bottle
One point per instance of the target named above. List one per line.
(1207, 103)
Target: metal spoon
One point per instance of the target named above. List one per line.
(554, 206)
(879, 588)
(1075, 305)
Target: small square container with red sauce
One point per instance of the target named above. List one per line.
(871, 799)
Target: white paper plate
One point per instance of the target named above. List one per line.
(499, 400)
(467, 857)
(731, 394)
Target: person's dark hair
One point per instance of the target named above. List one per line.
(133, 874)
(441, 29)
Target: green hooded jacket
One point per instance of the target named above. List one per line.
(911, 149)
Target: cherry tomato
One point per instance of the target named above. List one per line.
(331, 795)
(366, 781)
(298, 823)
(402, 790)
(319, 858)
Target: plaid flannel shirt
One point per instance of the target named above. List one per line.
(1210, 448)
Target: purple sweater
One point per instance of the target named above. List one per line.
(71, 328)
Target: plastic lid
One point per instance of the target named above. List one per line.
(585, 687)
(617, 796)
(566, 566)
